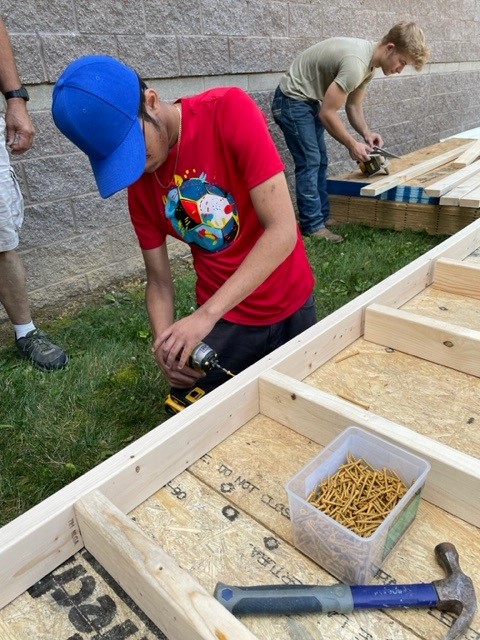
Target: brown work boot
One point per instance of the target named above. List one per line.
(331, 222)
(328, 235)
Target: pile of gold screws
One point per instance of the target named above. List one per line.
(358, 496)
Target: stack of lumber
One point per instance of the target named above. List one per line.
(436, 189)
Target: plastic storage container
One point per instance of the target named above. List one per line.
(351, 558)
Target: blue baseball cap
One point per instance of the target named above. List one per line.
(96, 104)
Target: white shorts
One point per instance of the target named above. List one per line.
(11, 200)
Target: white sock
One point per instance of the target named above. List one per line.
(21, 330)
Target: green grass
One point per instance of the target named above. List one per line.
(56, 426)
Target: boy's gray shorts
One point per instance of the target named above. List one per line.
(11, 200)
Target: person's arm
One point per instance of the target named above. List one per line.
(356, 117)
(159, 297)
(334, 99)
(19, 127)
(274, 208)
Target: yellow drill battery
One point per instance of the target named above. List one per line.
(174, 403)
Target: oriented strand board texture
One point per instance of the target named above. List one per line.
(218, 532)
(227, 518)
(440, 403)
(436, 401)
(79, 600)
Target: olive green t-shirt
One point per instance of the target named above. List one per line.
(346, 61)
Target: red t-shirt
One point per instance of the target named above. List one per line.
(225, 151)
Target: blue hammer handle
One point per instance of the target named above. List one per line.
(341, 598)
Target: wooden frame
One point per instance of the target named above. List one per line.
(90, 510)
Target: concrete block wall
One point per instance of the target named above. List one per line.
(72, 240)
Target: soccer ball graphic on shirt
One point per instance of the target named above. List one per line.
(202, 213)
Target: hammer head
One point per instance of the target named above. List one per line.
(456, 593)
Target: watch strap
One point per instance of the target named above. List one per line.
(17, 93)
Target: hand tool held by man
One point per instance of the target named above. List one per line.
(454, 594)
(378, 161)
(203, 358)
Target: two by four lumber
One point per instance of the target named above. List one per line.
(170, 596)
(465, 188)
(440, 187)
(455, 276)
(434, 340)
(376, 188)
(471, 199)
(468, 156)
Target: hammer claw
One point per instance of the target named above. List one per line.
(456, 593)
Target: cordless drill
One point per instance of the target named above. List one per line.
(202, 358)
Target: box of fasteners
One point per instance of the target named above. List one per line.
(351, 504)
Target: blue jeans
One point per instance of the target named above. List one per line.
(304, 135)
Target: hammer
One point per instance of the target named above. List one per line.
(454, 594)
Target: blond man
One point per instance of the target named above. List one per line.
(326, 77)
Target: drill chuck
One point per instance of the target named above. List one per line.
(203, 358)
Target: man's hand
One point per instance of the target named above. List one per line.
(172, 349)
(173, 346)
(373, 139)
(19, 127)
(360, 151)
(181, 378)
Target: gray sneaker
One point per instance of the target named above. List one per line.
(45, 355)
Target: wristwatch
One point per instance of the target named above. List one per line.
(17, 93)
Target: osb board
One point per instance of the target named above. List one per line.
(77, 601)
(410, 159)
(214, 538)
(417, 557)
(390, 214)
(227, 519)
(436, 401)
(449, 307)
